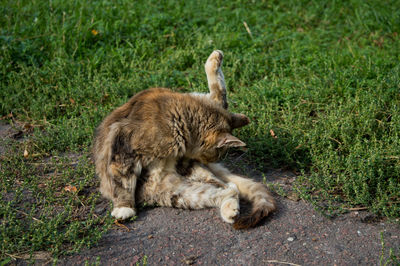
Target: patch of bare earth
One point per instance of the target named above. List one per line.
(295, 234)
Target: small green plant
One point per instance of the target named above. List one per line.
(95, 263)
(143, 261)
(388, 259)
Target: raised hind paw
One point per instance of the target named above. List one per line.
(123, 213)
(230, 209)
(214, 62)
(215, 78)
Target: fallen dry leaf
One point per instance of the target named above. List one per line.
(117, 223)
(28, 126)
(10, 115)
(273, 134)
(70, 188)
(41, 185)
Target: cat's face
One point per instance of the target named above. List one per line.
(210, 155)
(217, 142)
(214, 151)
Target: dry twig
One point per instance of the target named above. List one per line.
(247, 29)
(35, 219)
(282, 262)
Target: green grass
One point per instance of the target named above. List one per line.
(323, 75)
(47, 205)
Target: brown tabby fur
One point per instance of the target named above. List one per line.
(161, 147)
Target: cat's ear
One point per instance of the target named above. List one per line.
(239, 120)
(227, 140)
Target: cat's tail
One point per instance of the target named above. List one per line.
(102, 152)
(261, 208)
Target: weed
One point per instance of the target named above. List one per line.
(388, 259)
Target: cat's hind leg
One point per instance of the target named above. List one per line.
(200, 173)
(230, 206)
(262, 201)
(173, 190)
(216, 79)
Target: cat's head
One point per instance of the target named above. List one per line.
(219, 139)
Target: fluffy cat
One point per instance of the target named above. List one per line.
(161, 147)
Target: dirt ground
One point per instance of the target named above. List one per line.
(294, 235)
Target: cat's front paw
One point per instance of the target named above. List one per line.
(214, 62)
(230, 209)
(123, 213)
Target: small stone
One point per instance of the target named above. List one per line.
(290, 239)
(189, 260)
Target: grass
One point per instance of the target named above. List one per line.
(47, 204)
(323, 76)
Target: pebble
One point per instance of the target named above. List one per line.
(290, 239)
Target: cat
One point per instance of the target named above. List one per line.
(161, 147)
